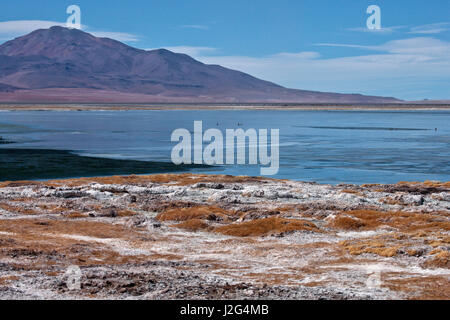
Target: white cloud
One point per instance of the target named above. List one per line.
(119, 36)
(383, 30)
(190, 50)
(12, 29)
(299, 55)
(433, 28)
(403, 68)
(344, 45)
(17, 28)
(415, 46)
(195, 26)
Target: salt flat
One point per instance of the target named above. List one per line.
(223, 237)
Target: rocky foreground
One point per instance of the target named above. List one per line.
(221, 237)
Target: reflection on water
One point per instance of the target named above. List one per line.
(322, 146)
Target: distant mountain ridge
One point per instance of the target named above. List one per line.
(69, 65)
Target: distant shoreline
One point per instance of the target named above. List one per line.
(219, 106)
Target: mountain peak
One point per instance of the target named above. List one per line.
(60, 29)
(59, 43)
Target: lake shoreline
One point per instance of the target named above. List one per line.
(221, 107)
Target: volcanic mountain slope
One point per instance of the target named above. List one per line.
(69, 65)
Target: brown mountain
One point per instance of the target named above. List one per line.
(68, 65)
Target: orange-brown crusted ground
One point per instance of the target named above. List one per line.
(198, 212)
(265, 227)
(223, 228)
(430, 287)
(176, 179)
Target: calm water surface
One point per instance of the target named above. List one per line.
(323, 146)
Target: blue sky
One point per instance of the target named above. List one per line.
(307, 44)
